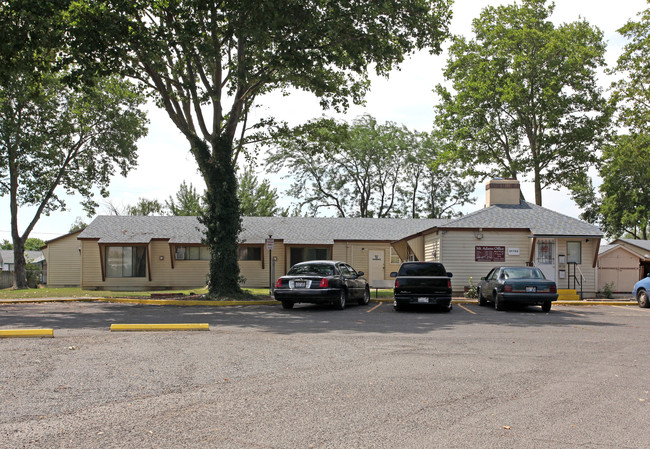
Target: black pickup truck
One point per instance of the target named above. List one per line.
(422, 283)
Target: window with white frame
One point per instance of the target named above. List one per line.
(574, 252)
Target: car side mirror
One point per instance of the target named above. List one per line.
(393, 274)
(360, 273)
(483, 278)
(450, 275)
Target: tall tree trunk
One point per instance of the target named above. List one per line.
(20, 274)
(538, 188)
(20, 265)
(222, 221)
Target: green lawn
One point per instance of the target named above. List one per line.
(47, 292)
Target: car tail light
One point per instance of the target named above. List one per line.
(448, 283)
(278, 283)
(507, 288)
(553, 289)
(396, 283)
(324, 283)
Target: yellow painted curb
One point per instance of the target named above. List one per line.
(24, 333)
(183, 302)
(161, 327)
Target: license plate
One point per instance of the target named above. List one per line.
(300, 284)
(424, 300)
(531, 289)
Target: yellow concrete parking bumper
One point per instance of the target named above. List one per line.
(160, 327)
(26, 333)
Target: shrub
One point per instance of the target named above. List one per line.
(608, 290)
(471, 291)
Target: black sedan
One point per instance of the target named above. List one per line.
(516, 285)
(322, 282)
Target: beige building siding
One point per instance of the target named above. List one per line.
(91, 270)
(619, 267)
(361, 259)
(586, 267)
(354, 253)
(257, 273)
(457, 250)
(184, 274)
(458, 253)
(432, 247)
(63, 261)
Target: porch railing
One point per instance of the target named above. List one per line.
(577, 277)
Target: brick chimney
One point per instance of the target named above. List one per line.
(502, 191)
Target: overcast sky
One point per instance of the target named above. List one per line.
(405, 98)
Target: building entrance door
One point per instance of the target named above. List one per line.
(375, 266)
(546, 258)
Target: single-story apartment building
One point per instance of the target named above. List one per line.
(622, 263)
(154, 252)
(164, 252)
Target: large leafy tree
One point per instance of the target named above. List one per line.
(622, 205)
(55, 138)
(367, 169)
(63, 127)
(206, 64)
(433, 186)
(346, 168)
(524, 101)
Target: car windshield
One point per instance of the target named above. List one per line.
(523, 273)
(312, 268)
(422, 269)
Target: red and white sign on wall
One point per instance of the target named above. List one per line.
(490, 253)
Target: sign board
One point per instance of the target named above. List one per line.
(513, 251)
(490, 253)
(269, 244)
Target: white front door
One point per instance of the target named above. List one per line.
(375, 266)
(546, 258)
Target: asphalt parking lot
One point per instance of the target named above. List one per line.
(314, 377)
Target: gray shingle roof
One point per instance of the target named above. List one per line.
(7, 256)
(643, 244)
(292, 230)
(604, 248)
(540, 221)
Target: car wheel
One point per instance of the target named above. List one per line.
(397, 307)
(343, 296)
(481, 300)
(447, 308)
(366, 298)
(498, 303)
(643, 299)
(287, 304)
(546, 307)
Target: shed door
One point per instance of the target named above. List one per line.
(375, 266)
(623, 278)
